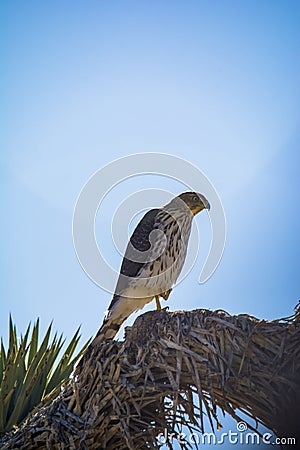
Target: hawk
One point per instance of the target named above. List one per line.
(153, 259)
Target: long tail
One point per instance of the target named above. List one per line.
(118, 312)
(109, 328)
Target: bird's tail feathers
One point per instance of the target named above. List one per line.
(109, 329)
(112, 322)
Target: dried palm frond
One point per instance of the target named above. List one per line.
(124, 394)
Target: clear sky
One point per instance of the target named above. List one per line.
(84, 83)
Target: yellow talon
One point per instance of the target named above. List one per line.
(165, 295)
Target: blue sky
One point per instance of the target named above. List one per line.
(84, 83)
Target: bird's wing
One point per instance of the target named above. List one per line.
(139, 241)
(121, 305)
(120, 308)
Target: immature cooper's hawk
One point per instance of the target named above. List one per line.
(153, 259)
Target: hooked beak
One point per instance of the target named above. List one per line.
(206, 205)
(205, 202)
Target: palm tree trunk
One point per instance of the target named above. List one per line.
(124, 394)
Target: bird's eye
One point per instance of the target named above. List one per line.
(195, 198)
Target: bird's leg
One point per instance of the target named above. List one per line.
(158, 305)
(165, 295)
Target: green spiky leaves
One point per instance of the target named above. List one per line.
(30, 373)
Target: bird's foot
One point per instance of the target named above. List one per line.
(165, 295)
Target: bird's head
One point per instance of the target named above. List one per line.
(195, 201)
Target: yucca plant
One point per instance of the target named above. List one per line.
(30, 374)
